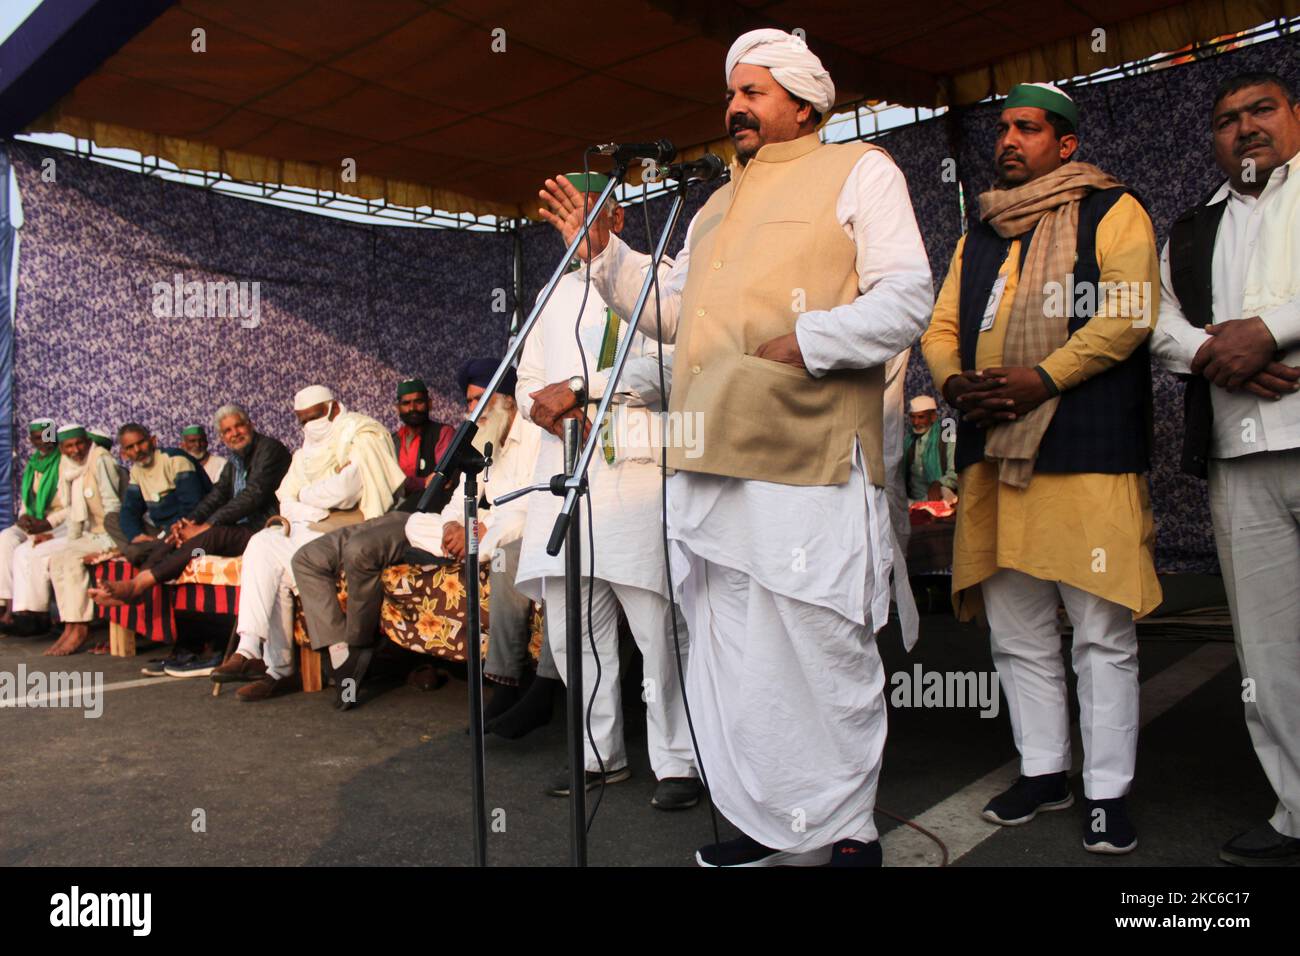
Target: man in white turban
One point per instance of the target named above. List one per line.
(778, 518)
(346, 472)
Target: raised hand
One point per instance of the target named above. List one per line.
(566, 209)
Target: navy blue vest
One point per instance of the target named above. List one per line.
(1102, 425)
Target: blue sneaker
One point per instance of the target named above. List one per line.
(194, 667)
(158, 666)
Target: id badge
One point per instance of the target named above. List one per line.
(995, 300)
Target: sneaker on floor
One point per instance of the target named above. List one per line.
(267, 687)
(158, 666)
(1107, 828)
(560, 785)
(856, 853)
(676, 793)
(1028, 797)
(195, 667)
(1262, 846)
(743, 851)
(238, 668)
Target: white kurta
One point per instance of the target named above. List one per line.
(626, 499)
(626, 531)
(266, 584)
(821, 556)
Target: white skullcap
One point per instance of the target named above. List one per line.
(311, 395)
(922, 403)
(793, 65)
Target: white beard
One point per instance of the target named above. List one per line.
(493, 427)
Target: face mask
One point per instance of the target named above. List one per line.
(317, 430)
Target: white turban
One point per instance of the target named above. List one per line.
(311, 395)
(922, 403)
(793, 65)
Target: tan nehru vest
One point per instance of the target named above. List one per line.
(765, 247)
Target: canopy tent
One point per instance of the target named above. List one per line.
(467, 106)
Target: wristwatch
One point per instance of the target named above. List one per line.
(579, 387)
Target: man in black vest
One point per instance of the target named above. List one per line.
(420, 441)
(1230, 325)
(1039, 340)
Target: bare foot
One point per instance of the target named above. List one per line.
(104, 597)
(74, 640)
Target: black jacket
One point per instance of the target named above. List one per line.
(431, 435)
(267, 461)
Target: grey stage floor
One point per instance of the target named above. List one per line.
(292, 782)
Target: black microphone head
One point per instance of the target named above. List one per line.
(711, 167)
(667, 151)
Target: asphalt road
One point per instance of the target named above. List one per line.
(292, 782)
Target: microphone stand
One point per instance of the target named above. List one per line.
(567, 531)
(461, 454)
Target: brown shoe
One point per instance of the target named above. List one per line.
(267, 687)
(238, 668)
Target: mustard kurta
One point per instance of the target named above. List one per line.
(1092, 531)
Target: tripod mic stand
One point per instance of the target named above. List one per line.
(460, 454)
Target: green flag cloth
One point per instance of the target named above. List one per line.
(37, 500)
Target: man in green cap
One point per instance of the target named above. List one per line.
(88, 481)
(194, 441)
(420, 441)
(41, 512)
(1054, 392)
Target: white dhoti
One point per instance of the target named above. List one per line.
(784, 588)
(71, 577)
(10, 539)
(789, 711)
(31, 571)
(649, 617)
(1255, 505)
(1026, 643)
(266, 588)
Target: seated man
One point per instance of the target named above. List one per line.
(223, 523)
(164, 487)
(89, 481)
(346, 472)
(194, 441)
(41, 512)
(420, 441)
(363, 551)
(929, 457)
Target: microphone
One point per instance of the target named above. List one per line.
(704, 169)
(661, 151)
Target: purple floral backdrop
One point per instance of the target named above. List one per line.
(356, 307)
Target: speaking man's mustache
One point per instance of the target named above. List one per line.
(741, 121)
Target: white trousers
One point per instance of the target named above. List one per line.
(789, 709)
(71, 578)
(649, 617)
(1255, 506)
(266, 589)
(1026, 645)
(31, 571)
(10, 539)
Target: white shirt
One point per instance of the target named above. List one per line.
(829, 545)
(213, 467)
(512, 468)
(626, 499)
(1175, 341)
